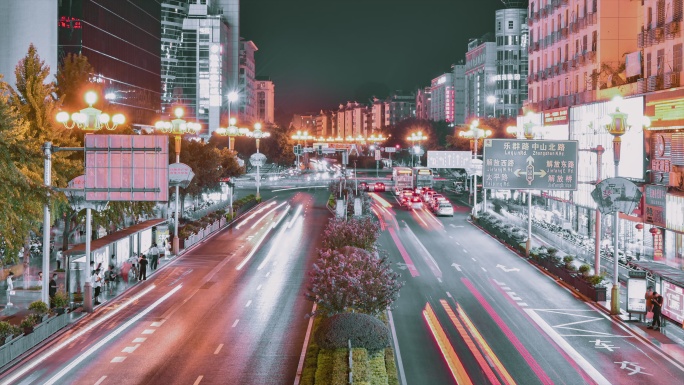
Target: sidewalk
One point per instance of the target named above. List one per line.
(670, 339)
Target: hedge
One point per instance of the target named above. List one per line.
(363, 330)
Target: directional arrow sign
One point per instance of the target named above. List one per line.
(502, 267)
(530, 164)
(458, 267)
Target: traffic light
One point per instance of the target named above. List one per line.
(397, 146)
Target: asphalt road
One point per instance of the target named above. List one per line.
(498, 319)
(230, 311)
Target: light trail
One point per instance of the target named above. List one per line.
(267, 214)
(294, 217)
(380, 200)
(254, 249)
(455, 365)
(244, 221)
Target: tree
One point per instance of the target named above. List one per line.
(356, 232)
(352, 279)
(73, 80)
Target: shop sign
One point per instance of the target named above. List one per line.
(661, 165)
(556, 117)
(616, 195)
(673, 301)
(530, 164)
(665, 109)
(675, 204)
(655, 204)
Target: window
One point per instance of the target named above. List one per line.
(661, 61)
(677, 58)
(594, 40)
(510, 24)
(498, 26)
(648, 65)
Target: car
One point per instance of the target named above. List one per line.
(379, 186)
(404, 201)
(428, 194)
(415, 203)
(444, 209)
(363, 186)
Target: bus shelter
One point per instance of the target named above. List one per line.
(669, 282)
(113, 249)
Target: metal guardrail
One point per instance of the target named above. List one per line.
(196, 215)
(17, 346)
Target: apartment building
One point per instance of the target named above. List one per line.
(459, 93)
(511, 31)
(661, 41)
(324, 124)
(265, 100)
(399, 107)
(480, 72)
(423, 99)
(247, 83)
(442, 103)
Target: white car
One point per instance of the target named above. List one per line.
(444, 208)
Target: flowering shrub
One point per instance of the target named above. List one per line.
(352, 279)
(363, 330)
(361, 233)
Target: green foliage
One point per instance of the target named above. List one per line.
(39, 308)
(360, 369)
(584, 269)
(311, 358)
(391, 367)
(60, 300)
(363, 330)
(340, 367)
(568, 261)
(30, 321)
(356, 232)
(378, 370)
(324, 367)
(595, 279)
(6, 330)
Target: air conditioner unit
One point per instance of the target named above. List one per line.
(676, 179)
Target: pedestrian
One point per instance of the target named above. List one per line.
(52, 290)
(97, 285)
(657, 302)
(153, 252)
(167, 249)
(10, 288)
(113, 278)
(649, 305)
(40, 279)
(143, 269)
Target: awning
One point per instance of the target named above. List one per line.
(111, 238)
(667, 273)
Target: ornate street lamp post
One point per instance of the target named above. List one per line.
(258, 159)
(88, 119)
(177, 127)
(299, 137)
(416, 137)
(474, 134)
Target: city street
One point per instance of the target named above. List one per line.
(229, 311)
(504, 320)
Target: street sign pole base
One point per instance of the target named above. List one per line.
(528, 246)
(176, 245)
(615, 300)
(88, 297)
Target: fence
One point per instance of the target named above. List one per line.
(17, 346)
(196, 215)
(203, 233)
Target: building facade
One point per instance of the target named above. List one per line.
(378, 114)
(16, 34)
(122, 42)
(459, 93)
(265, 101)
(324, 124)
(423, 103)
(480, 72)
(442, 95)
(399, 107)
(512, 35)
(661, 42)
(172, 14)
(247, 83)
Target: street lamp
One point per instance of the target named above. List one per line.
(616, 124)
(301, 136)
(177, 127)
(491, 99)
(88, 119)
(416, 137)
(258, 159)
(231, 132)
(474, 134)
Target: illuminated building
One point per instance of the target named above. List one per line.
(480, 71)
(442, 99)
(423, 99)
(511, 61)
(247, 83)
(265, 96)
(459, 93)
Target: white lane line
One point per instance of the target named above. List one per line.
(258, 287)
(465, 251)
(197, 381)
(139, 340)
(36, 361)
(448, 294)
(513, 296)
(439, 279)
(118, 359)
(523, 304)
(236, 322)
(452, 225)
(130, 349)
(400, 364)
(267, 274)
(157, 323)
(568, 349)
(148, 331)
(506, 288)
(248, 303)
(100, 380)
(458, 243)
(473, 259)
(218, 349)
(451, 237)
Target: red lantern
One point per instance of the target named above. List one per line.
(654, 230)
(639, 226)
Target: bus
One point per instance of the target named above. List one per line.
(403, 178)
(423, 177)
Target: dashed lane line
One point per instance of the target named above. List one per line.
(130, 349)
(235, 323)
(148, 331)
(248, 303)
(100, 380)
(198, 380)
(118, 359)
(218, 349)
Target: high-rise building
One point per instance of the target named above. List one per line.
(577, 47)
(442, 95)
(247, 83)
(459, 93)
(512, 34)
(661, 41)
(324, 124)
(172, 14)
(480, 72)
(378, 114)
(265, 96)
(423, 103)
(122, 42)
(304, 123)
(399, 107)
(17, 33)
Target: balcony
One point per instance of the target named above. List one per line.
(654, 83)
(573, 27)
(564, 32)
(672, 29)
(564, 3)
(592, 19)
(565, 67)
(656, 35)
(641, 39)
(591, 56)
(672, 80)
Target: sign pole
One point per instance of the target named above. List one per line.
(528, 244)
(615, 292)
(597, 237)
(88, 287)
(47, 175)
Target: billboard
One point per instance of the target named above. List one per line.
(616, 195)
(673, 301)
(556, 116)
(665, 109)
(449, 159)
(530, 164)
(655, 204)
(126, 167)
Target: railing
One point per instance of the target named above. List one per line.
(15, 347)
(195, 215)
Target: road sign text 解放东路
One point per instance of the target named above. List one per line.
(530, 164)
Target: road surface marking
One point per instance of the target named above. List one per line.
(148, 331)
(248, 303)
(458, 243)
(236, 322)
(449, 294)
(568, 349)
(483, 269)
(522, 304)
(139, 340)
(457, 266)
(158, 323)
(451, 237)
(498, 283)
(404, 254)
(474, 259)
(254, 249)
(258, 287)
(218, 349)
(267, 274)
(505, 288)
(452, 225)
(118, 359)
(513, 296)
(439, 279)
(465, 251)
(100, 380)
(455, 365)
(197, 381)
(130, 349)
(397, 353)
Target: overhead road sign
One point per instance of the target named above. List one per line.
(530, 164)
(390, 149)
(449, 159)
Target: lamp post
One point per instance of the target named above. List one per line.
(474, 134)
(87, 119)
(232, 97)
(177, 127)
(231, 132)
(376, 141)
(258, 135)
(526, 133)
(491, 99)
(299, 137)
(616, 124)
(416, 137)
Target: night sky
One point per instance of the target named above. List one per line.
(323, 52)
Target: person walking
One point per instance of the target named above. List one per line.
(143, 268)
(154, 256)
(52, 290)
(649, 306)
(97, 285)
(10, 288)
(657, 302)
